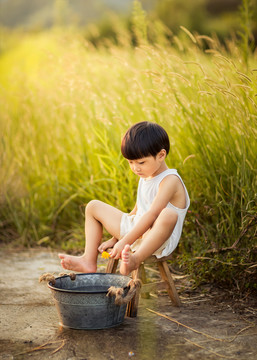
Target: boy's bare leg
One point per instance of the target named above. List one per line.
(98, 215)
(160, 232)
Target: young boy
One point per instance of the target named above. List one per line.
(155, 224)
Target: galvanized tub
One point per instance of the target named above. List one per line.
(82, 303)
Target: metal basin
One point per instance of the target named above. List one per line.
(82, 303)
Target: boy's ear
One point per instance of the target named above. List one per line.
(162, 154)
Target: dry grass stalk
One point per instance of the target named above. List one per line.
(185, 326)
(45, 347)
(200, 332)
(208, 350)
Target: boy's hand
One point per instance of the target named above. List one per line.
(117, 249)
(107, 244)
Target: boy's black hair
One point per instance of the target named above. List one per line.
(144, 139)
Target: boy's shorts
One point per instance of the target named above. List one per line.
(128, 222)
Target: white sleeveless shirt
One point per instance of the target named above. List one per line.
(147, 190)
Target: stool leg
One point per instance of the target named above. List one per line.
(133, 304)
(166, 276)
(142, 276)
(112, 266)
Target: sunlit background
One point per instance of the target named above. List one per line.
(74, 75)
(96, 18)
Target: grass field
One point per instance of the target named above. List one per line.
(65, 106)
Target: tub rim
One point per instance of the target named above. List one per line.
(74, 291)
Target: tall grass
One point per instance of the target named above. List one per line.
(65, 106)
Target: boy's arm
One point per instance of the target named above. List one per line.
(134, 211)
(167, 189)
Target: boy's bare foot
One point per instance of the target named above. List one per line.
(76, 263)
(128, 262)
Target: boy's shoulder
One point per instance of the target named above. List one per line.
(169, 173)
(171, 177)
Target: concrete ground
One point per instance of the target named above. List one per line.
(205, 327)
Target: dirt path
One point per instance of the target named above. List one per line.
(28, 320)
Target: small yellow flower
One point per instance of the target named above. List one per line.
(105, 255)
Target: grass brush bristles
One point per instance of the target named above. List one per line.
(65, 106)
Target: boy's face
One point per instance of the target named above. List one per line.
(149, 166)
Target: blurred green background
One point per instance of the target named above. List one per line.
(204, 16)
(74, 75)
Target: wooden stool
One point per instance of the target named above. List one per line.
(166, 282)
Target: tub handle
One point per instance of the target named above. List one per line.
(124, 295)
(51, 278)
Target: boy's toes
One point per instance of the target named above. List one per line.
(125, 253)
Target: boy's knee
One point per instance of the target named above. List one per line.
(92, 205)
(169, 216)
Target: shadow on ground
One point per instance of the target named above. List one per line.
(205, 327)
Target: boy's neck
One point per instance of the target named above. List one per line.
(162, 168)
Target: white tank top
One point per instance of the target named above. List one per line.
(147, 190)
